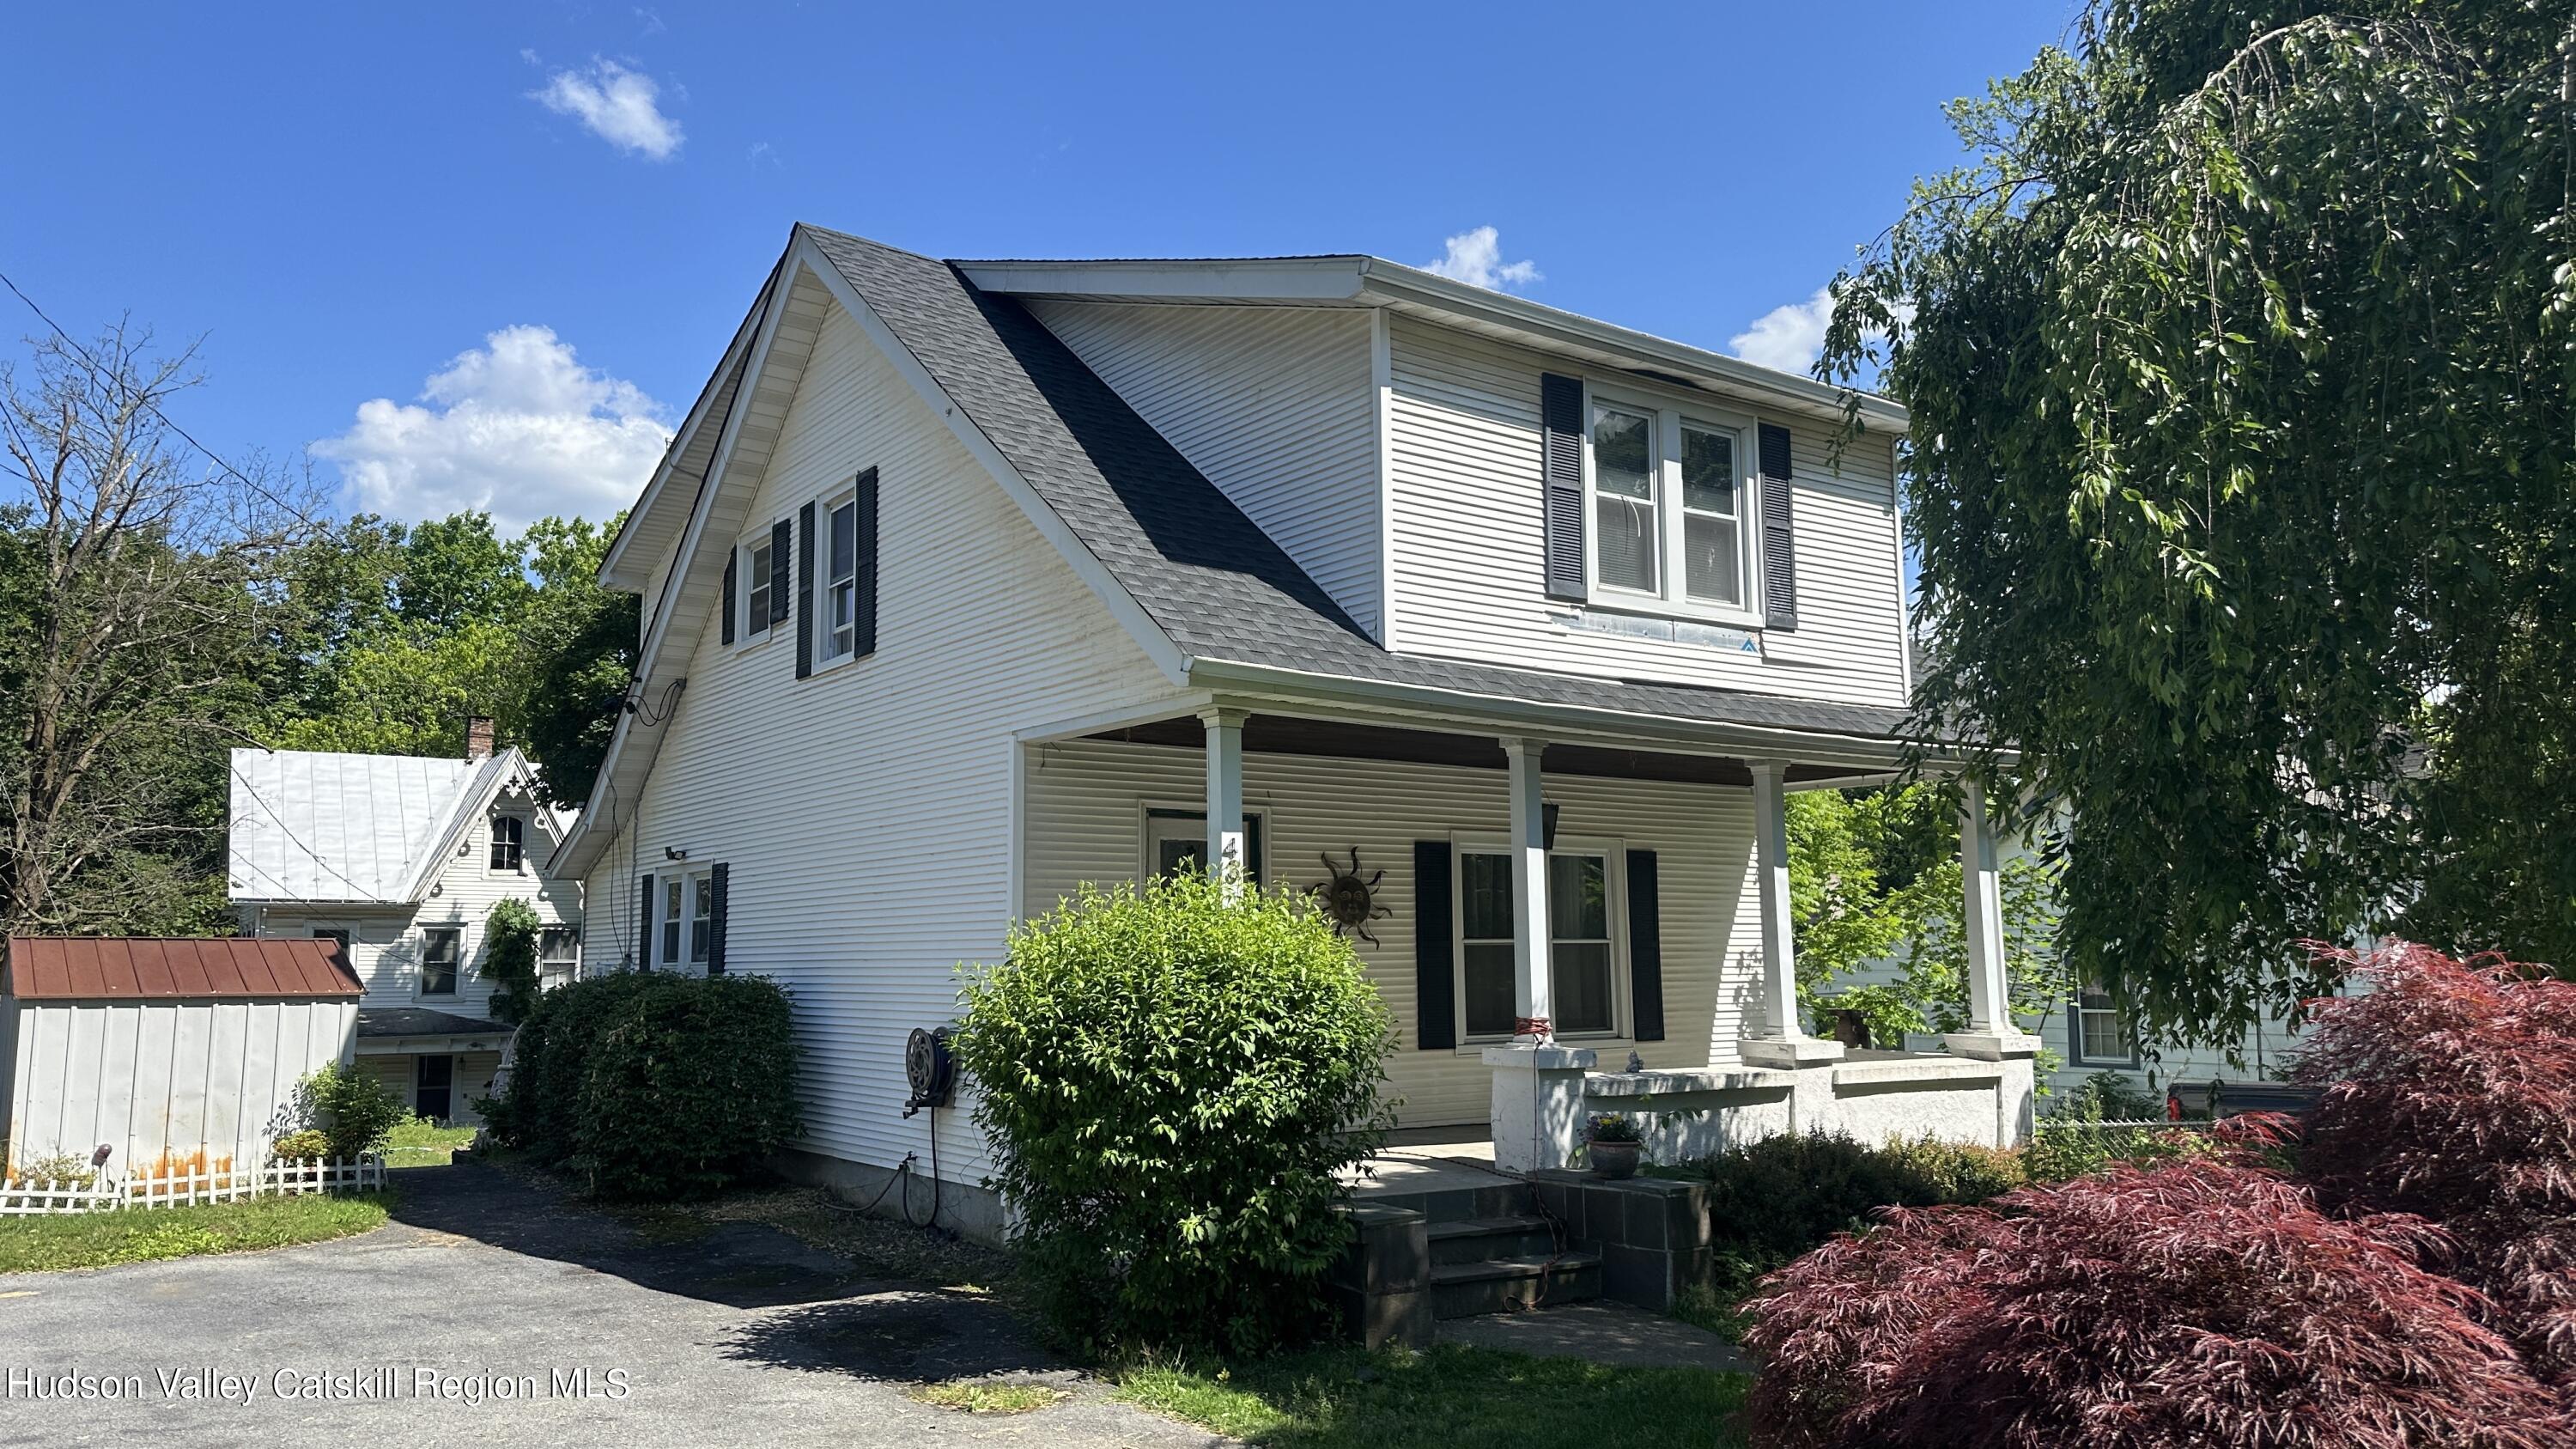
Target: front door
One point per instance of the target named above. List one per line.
(433, 1088)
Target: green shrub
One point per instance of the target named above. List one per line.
(652, 1084)
(297, 1146)
(353, 1112)
(1170, 1081)
(1777, 1197)
(71, 1169)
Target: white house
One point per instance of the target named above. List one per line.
(967, 582)
(400, 859)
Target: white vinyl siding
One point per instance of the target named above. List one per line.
(1273, 404)
(1467, 536)
(1086, 813)
(866, 837)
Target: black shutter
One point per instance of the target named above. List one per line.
(865, 585)
(782, 574)
(1560, 415)
(1779, 546)
(1435, 976)
(728, 599)
(805, 566)
(719, 886)
(644, 917)
(1645, 947)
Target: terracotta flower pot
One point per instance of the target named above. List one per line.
(1614, 1160)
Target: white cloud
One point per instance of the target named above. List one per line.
(1787, 337)
(1476, 258)
(1791, 337)
(517, 427)
(620, 106)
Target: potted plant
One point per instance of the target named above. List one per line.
(1613, 1141)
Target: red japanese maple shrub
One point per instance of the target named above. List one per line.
(2203, 1302)
(2450, 1091)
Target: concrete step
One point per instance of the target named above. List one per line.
(1477, 1240)
(1514, 1285)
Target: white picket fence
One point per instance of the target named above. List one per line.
(197, 1184)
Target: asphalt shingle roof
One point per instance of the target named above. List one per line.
(1204, 572)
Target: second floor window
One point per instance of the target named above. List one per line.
(508, 834)
(1668, 525)
(756, 571)
(441, 947)
(2101, 1032)
(841, 578)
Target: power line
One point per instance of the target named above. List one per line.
(167, 421)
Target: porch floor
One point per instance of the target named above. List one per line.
(1430, 1159)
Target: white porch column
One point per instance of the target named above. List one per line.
(1229, 859)
(1991, 1035)
(1534, 992)
(1781, 1041)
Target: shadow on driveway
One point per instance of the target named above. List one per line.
(741, 1265)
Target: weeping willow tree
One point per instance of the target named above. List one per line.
(2239, 361)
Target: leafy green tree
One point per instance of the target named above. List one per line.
(510, 958)
(2239, 362)
(1874, 883)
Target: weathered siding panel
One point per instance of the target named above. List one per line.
(865, 812)
(1273, 404)
(1086, 821)
(165, 1077)
(1467, 538)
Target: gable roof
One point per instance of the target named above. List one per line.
(355, 829)
(134, 968)
(1209, 595)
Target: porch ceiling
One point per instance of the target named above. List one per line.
(1276, 734)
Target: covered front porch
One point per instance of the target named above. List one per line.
(1589, 916)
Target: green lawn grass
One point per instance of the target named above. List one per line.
(421, 1142)
(138, 1235)
(1452, 1397)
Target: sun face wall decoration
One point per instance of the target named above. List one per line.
(1350, 902)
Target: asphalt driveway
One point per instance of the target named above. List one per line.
(493, 1311)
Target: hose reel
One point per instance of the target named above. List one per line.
(928, 1069)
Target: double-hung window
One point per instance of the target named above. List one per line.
(759, 571)
(509, 835)
(558, 956)
(840, 582)
(2101, 1030)
(1580, 911)
(674, 900)
(1668, 509)
(441, 949)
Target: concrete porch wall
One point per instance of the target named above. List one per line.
(1085, 821)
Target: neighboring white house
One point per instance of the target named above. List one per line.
(967, 582)
(400, 858)
(174, 1055)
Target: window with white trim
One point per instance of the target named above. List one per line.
(759, 575)
(1668, 489)
(1582, 912)
(839, 584)
(674, 901)
(441, 949)
(558, 957)
(2101, 1034)
(509, 836)
(1176, 840)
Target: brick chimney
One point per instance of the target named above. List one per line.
(478, 737)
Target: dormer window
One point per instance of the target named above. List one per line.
(509, 836)
(1668, 523)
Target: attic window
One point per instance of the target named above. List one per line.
(508, 836)
(756, 565)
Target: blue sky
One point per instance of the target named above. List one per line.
(491, 251)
